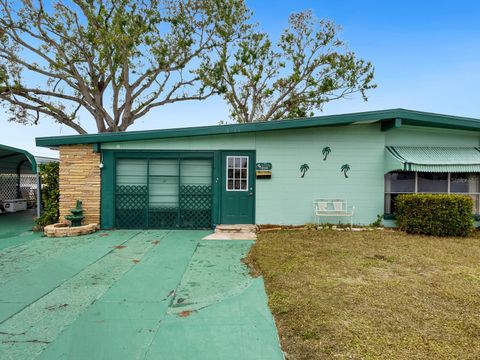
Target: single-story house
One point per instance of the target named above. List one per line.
(266, 172)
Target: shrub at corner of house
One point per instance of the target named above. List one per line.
(435, 214)
(49, 173)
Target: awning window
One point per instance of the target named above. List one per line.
(436, 159)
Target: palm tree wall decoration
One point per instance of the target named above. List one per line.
(345, 168)
(325, 152)
(303, 169)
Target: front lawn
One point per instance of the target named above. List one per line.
(381, 294)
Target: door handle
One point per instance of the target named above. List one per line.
(250, 193)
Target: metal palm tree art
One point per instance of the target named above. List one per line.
(303, 169)
(325, 152)
(345, 168)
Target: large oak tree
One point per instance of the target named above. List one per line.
(114, 60)
(308, 67)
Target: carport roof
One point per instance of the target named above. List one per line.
(388, 118)
(13, 160)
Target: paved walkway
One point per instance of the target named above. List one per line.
(132, 295)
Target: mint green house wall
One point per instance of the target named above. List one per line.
(287, 198)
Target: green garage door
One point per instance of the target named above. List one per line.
(163, 193)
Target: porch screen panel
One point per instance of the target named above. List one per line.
(195, 193)
(131, 193)
(163, 193)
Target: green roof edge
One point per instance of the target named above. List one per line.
(29, 156)
(410, 117)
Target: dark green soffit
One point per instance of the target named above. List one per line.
(408, 117)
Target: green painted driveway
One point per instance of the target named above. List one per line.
(15, 228)
(132, 295)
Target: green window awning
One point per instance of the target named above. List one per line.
(436, 158)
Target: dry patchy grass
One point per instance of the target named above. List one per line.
(372, 295)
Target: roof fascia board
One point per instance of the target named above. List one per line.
(330, 120)
(410, 117)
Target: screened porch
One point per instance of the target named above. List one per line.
(432, 170)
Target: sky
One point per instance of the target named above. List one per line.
(426, 55)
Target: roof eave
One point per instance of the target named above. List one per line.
(411, 117)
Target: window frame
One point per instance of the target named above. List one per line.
(475, 195)
(234, 168)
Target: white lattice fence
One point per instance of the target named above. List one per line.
(28, 187)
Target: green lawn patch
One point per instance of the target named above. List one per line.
(372, 295)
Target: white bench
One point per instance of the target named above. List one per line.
(332, 207)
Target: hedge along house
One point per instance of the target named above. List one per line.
(266, 173)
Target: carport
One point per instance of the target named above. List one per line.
(19, 178)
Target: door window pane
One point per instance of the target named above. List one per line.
(237, 173)
(243, 185)
(432, 182)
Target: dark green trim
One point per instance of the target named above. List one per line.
(253, 179)
(25, 153)
(408, 117)
(391, 124)
(97, 147)
(216, 187)
(165, 154)
(107, 202)
(108, 178)
(254, 155)
(147, 195)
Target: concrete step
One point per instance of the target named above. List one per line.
(233, 232)
(231, 236)
(236, 228)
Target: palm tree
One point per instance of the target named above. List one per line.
(345, 168)
(325, 151)
(304, 168)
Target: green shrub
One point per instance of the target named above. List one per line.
(50, 194)
(435, 214)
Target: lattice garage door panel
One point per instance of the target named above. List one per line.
(164, 193)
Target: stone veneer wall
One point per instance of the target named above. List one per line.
(80, 179)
